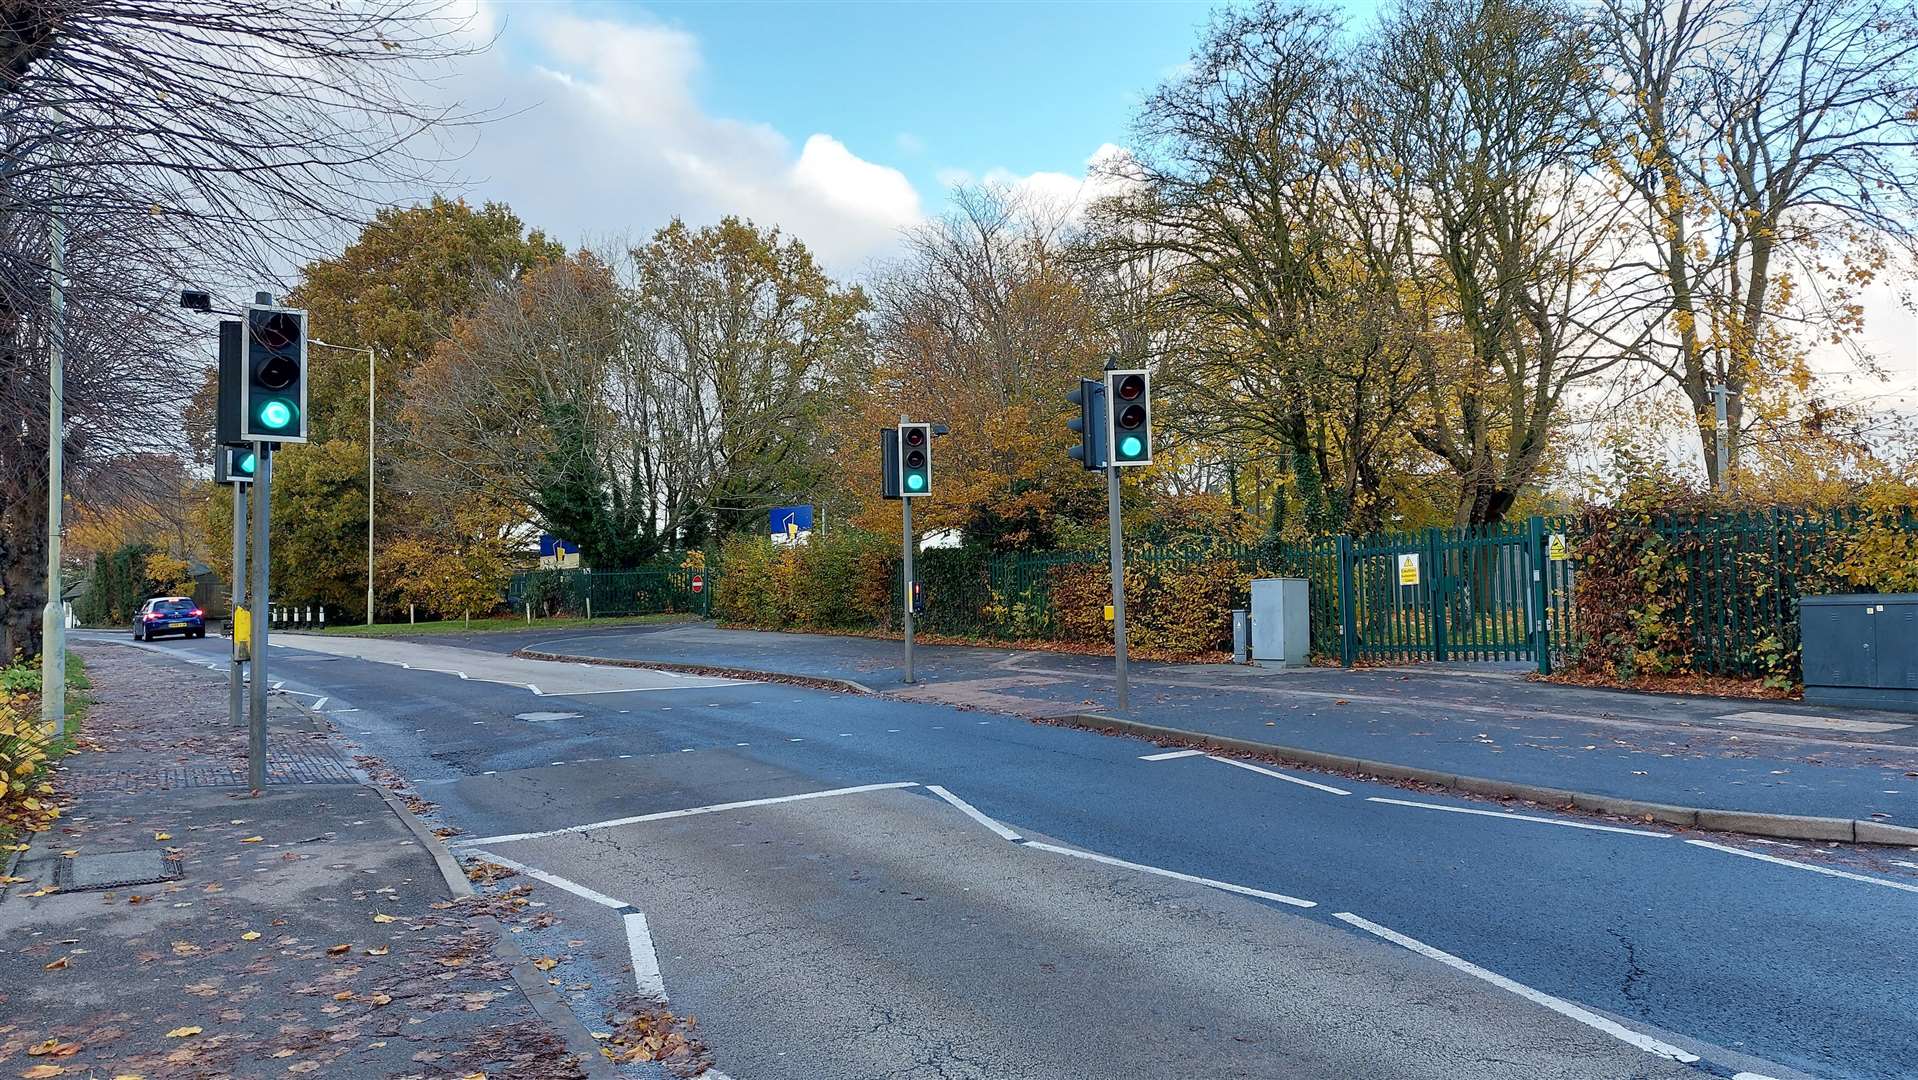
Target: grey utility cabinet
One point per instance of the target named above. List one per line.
(1861, 649)
(1281, 620)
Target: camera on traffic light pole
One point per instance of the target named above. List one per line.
(272, 404)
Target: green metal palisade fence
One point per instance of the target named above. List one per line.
(1494, 593)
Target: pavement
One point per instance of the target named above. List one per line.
(171, 927)
(1772, 757)
(852, 885)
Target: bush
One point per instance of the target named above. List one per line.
(839, 580)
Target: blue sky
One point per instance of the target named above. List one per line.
(972, 86)
(842, 122)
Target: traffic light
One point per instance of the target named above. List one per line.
(233, 465)
(915, 460)
(1090, 424)
(273, 390)
(1129, 417)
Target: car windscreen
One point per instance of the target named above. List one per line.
(174, 607)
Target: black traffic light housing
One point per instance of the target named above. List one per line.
(915, 460)
(273, 383)
(233, 465)
(1128, 394)
(232, 371)
(1090, 424)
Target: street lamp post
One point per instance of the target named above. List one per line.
(370, 375)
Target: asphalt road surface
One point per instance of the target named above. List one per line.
(849, 886)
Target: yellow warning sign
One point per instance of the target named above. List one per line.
(242, 628)
(1108, 612)
(1409, 569)
(1555, 547)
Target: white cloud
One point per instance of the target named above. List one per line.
(1060, 191)
(602, 132)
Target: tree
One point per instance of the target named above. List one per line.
(983, 325)
(1247, 223)
(175, 141)
(1487, 108)
(1770, 157)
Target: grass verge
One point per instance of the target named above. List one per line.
(497, 626)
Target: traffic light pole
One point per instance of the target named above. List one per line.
(236, 671)
(256, 718)
(905, 574)
(1118, 582)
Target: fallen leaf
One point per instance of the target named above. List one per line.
(250, 935)
(251, 839)
(338, 949)
(55, 1048)
(183, 1032)
(39, 1071)
(381, 918)
(381, 951)
(185, 948)
(60, 964)
(128, 1076)
(381, 999)
(344, 995)
(452, 961)
(284, 1053)
(162, 836)
(545, 963)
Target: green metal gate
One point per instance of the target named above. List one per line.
(1499, 592)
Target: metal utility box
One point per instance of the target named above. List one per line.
(1860, 649)
(1281, 620)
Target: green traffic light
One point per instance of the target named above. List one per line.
(1131, 446)
(915, 481)
(276, 415)
(246, 464)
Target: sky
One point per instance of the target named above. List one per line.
(842, 123)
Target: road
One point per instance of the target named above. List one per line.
(996, 897)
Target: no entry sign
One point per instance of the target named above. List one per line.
(699, 583)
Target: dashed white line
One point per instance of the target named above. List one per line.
(536, 690)
(1558, 1005)
(1227, 886)
(690, 812)
(1906, 865)
(973, 812)
(1288, 778)
(1503, 816)
(1170, 754)
(342, 712)
(321, 703)
(1826, 870)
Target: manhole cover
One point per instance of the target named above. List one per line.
(536, 717)
(114, 869)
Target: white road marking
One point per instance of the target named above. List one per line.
(1735, 1076)
(1170, 754)
(1826, 870)
(337, 712)
(535, 690)
(1277, 775)
(1906, 865)
(320, 704)
(1557, 1005)
(639, 943)
(1504, 816)
(639, 938)
(462, 675)
(554, 880)
(665, 814)
(973, 812)
(1227, 886)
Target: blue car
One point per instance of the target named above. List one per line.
(169, 615)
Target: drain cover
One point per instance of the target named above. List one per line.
(114, 869)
